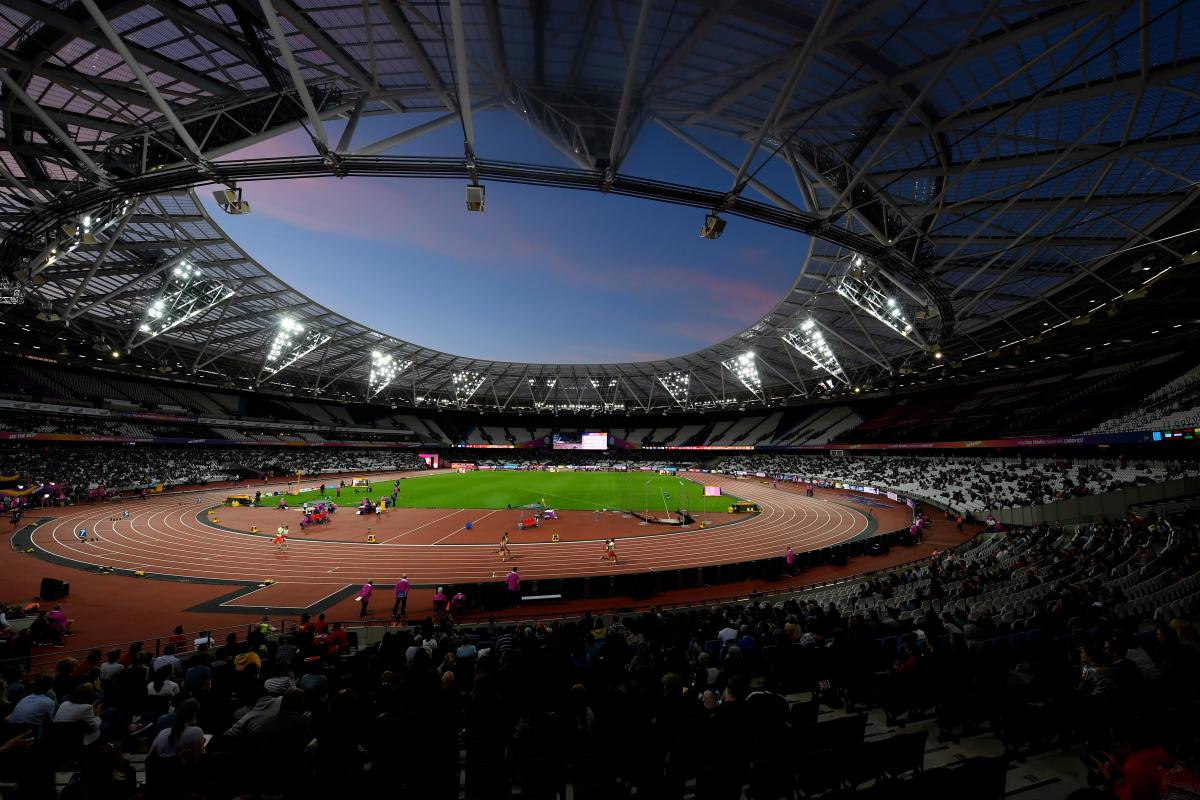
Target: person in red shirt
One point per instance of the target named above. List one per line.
(337, 641)
(179, 640)
(1143, 771)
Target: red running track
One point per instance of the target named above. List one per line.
(164, 537)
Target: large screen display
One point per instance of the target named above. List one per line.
(581, 441)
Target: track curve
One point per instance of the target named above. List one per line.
(165, 537)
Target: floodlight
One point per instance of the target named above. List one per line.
(475, 198)
(745, 369)
(808, 339)
(231, 202)
(676, 383)
(713, 227)
(465, 384)
(290, 344)
(188, 294)
(861, 286)
(384, 369)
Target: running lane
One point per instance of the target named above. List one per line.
(164, 536)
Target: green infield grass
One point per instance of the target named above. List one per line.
(587, 491)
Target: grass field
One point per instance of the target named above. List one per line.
(585, 491)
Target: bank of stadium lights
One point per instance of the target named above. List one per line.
(81, 230)
(808, 339)
(598, 383)
(465, 384)
(384, 369)
(187, 294)
(861, 286)
(230, 201)
(292, 341)
(745, 368)
(677, 384)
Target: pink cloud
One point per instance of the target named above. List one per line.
(373, 211)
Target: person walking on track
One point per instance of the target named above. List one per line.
(364, 597)
(505, 553)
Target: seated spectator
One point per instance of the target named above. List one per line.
(112, 666)
(184, 738)
(59, 621)
(37, 707)
(168, 659)
(280, 681)
(162, 685)
(82, 707)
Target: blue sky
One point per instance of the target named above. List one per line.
(549, 275)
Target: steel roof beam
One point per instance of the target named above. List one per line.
(408, 37)
(49, 15)
(293, 70)
(144, 80)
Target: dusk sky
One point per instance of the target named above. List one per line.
(549, 275)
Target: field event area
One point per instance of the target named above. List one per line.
(574, 491)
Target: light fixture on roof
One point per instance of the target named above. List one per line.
(713, 227)
(677, 384)
(81, 229)
(465, 383)
(475, 197)
(745, 368)
(187, 294)
(808, 339)
(384, 369)
(230, 200)
(861, 286)
(292, 341)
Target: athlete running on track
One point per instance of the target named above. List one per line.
(610, 551)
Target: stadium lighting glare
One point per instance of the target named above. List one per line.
(745, 369)
(384, 369)
(547, 386)
(860, 285)
(231, 202)
(808, 340)
(187, 294)
(677, 384)
(465, 384)
(937, 355)
(292, 342)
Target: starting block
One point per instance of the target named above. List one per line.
(139, 573)
(254, 529)
(371, 538)
(554, 537)
(214, 520)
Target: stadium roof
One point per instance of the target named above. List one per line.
(1004, 167)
